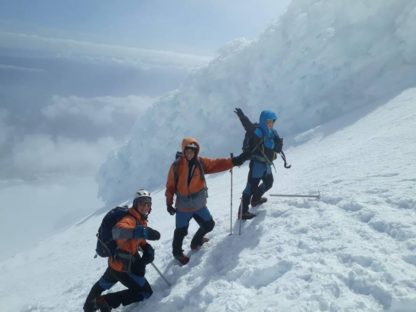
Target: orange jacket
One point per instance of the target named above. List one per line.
(129, 245)
(196, 184)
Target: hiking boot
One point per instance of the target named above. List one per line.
(198, 246)
(181, 258)
(257, 202)
(247, 216)
(102, 305)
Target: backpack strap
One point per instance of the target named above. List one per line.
(175, 171)
(175, 165)
(201, 169)
(260, 144)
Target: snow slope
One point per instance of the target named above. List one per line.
(322, 59)
(354, 250)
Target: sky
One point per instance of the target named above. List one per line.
(74, 77)
(352, 250)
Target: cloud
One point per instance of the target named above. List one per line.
(41, 156)
(74, 138)
(97, 52)
(20, 68)
(93, 118)
(4, 127)
(99, 110)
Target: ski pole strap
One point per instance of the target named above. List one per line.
(282, 154)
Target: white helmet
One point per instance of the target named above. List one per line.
(142, 195)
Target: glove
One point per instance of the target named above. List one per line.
(170, 209)
(146, 233)
(240, 159)
(279, 145)
(148, 254)
(151, 234)
(239, 113)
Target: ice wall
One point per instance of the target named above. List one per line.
(322, 59)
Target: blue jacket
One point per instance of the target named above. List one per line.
(270, 138)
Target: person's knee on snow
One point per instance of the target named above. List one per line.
(129, 231)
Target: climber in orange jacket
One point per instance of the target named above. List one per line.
(127, 266)
(186, 180)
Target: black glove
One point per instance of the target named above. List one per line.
(151, 234)
(171, 210)
(239, 113)
(279, 145)
(148, 253)
(240, 159)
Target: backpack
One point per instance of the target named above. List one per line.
(249, 142)
(106, 246)
(175, 167)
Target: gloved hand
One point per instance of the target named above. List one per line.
(279, 145)
(239, 113)
(240, 159)
(146, 233)
(148, 253)
(151, 234)
(170, 209)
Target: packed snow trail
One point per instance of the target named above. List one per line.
(354, 250)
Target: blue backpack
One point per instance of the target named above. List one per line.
(106, 246)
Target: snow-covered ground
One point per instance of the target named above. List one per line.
(354, 250)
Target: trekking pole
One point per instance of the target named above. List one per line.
(158, 271)
(240, 214)
(231, 200)
(161, 275)
(297, 195)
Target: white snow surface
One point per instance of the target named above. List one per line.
(354, 250)
(321, 60)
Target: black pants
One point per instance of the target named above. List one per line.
(254, 190)
(137, 290)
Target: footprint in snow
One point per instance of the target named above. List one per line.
(395, 230)
(331, 200)
(402, 203)
(410, 259)
(264, 276)
(365, 216)
(350, 206)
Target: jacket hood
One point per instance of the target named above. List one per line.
(189, 140)
(264, 115)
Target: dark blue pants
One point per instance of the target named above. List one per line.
(202, 217)
(137, 290)
(259, 172)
